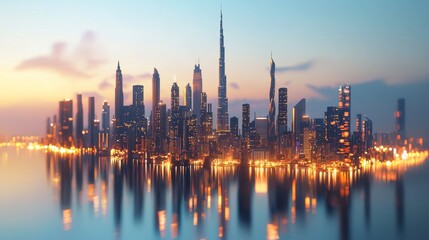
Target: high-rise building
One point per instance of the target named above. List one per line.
(272, 107)
(282, 116)
(104, 135)
(344, 104)
(245, 115)
(368, 138)
(138, 119)
(66, 123)
(105, 117)
(175, 112)
(160, 128)
(222, 106)
(261, 126)
(119, 105)
(297, 113)
(234, 126)
(91, 118)
(188, 97)
(156, 89)
(197, 85)
(333, 134)
(79, 122)
(400, 120)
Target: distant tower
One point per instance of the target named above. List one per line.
(272, 107)
(175, 112)
(188, 97)
(66, 123)
(333, 134)
(79, 122)
(234, 126)
(91, 119)
(245, 114)
(400, 120)
(344, 104)
(197, 85)
(156, 88)
(282, 116)
(297, 113)
(222, 107)
(119, 105)
(105, 126)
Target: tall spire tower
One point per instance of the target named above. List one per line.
(272, 108)
(222, 108)
(119, 105)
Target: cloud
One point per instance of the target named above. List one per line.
(234, 85)
(298, 67)
(105, 84)
(77, 64)
(131, 79)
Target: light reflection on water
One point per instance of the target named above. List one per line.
(131, 200)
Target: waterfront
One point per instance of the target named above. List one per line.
(65, 196)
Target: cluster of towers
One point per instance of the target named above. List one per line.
(187, 132)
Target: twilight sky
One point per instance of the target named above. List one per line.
(51, 50)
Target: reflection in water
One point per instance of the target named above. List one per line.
(198, 194)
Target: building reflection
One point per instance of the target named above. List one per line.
(200, 197)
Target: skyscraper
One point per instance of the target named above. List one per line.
(160, 128)
(197, 85)
(119, 105)
(138, 119)
(79, 121)
(156, 88)
(333, 134)
(91, 118)
(188, 97)
(104, 136)
(222, 106)
(245, 115)
(66, 123)
(282, 116)
(344, 101)
(105, 117)
(234, 126)
(175, 111)
(400, 120)
(297, 113)
(272, 107)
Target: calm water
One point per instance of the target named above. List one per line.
(48, 196)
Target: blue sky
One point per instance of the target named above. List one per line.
(340, 42)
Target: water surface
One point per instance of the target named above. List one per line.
(53, 196)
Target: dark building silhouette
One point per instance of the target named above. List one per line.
(156, 88)
(104, 136)
(297, 113)
(188, 97)
(197, 85)
(91, 118)
(282, 116)
(222, 106)
(138, 121)
(79, 122)
(65, 132)
(234, 126)
(333, 134)
(245, 126)
(119, 127)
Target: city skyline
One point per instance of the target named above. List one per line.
(238, 90)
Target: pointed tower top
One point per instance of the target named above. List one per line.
(155, 71)
(119, 68)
